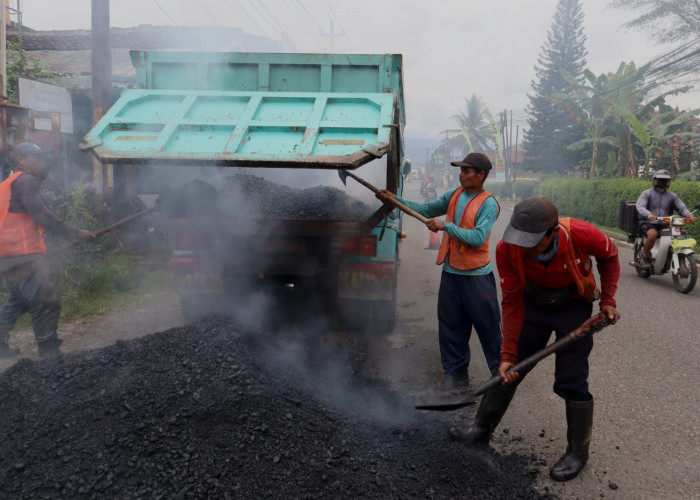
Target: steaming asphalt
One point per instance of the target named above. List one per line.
(646, 432)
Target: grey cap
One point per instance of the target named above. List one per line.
(531, 219)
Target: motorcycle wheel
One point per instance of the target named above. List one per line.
(639, 258)
(687, 275)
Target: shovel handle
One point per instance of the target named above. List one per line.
(109, 228)
(588, 327)
(392, 201)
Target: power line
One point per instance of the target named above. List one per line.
(216, 21)
(165, 12)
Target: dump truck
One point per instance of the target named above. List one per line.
(263, 137)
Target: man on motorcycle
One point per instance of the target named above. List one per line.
(657, 202)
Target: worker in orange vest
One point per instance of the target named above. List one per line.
(545, 264)
(467, 296)
(24, 271)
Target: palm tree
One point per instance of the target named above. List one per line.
(474, 132)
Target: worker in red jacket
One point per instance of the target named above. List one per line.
(547, 285)
(24, 272)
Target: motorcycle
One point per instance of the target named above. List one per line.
(428, 191)
(672, 252)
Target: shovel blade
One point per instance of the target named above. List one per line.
(444, 400)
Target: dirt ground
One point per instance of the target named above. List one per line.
(152, 314)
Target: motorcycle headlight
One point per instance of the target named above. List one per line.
(677, 221)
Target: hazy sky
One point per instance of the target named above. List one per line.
(451, 48)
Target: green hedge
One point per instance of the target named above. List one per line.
(523, 188)
(598, 200)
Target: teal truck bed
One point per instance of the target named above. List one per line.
(277, 111)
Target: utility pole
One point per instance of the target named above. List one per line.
(101, 60)
(3, 53)
(332, 36)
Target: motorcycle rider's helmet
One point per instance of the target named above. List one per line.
(661, 179)
(431, 177)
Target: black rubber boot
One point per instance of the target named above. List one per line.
(456, 381)
(579, 420)
(491, 410)
(6, 351)
(49, 347)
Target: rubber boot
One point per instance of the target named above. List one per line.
(6, 351)
(49, 347)
(579, 420)
(491, 410)
(456, 381)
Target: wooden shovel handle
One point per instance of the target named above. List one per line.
(392, 201)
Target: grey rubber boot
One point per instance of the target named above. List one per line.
(579, 420)
(491, 410)
(49, 347)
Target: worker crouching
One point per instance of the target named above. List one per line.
(547, 284)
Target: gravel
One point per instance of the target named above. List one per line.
(248, 196)
(205, 411)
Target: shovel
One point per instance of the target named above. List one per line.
(111, 227)
(453, 400)
(344, 174)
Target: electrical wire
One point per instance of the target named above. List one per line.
(165, 12)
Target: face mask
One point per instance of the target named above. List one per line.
(549, 254)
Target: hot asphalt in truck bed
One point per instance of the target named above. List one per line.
(196, 412)
(249, 196)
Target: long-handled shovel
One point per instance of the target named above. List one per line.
(109, 228)
(453, 400)
(344, 174)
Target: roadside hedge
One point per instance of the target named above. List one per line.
(598, 200)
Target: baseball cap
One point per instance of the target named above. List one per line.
(476, 160)
(531, 219)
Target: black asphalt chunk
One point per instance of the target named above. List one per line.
(192, 412)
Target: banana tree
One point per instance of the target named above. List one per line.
(651, 134)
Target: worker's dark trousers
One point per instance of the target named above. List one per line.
(30, 290)
(463, 302)
(571, 362)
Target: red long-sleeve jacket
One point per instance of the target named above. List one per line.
(587, 241)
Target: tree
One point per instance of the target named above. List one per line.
(20, 65)
(665, 20)
(550, 127)
(473, 134)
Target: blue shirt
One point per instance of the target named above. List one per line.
(485, 218)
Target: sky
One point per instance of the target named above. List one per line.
(451, 48)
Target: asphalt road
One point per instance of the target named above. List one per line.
(646, 433)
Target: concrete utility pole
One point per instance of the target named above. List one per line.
(3, 53)
(101, 86)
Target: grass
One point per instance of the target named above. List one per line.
(116, 282)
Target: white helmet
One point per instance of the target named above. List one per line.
(661, 174)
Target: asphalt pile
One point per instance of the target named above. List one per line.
(248, 196)
(195, 412)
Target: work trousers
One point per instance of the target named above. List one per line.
(465, 302)
(571, 362)
(32, 290)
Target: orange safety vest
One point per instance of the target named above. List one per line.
(461, 255)
(585, 283)
(19, 234)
